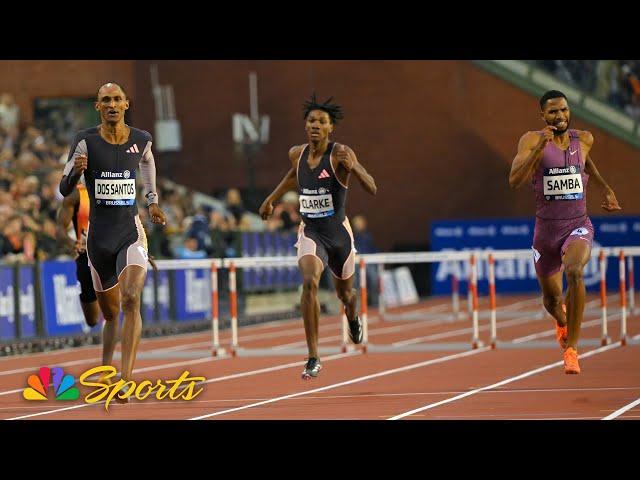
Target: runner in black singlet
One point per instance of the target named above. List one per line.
(108, 156)
(321, 170)
(75, 208)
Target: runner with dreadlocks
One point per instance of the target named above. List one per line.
(321, 170)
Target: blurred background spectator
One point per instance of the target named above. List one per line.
(616, 82)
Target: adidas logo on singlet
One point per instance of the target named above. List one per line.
(133, 149)
(324, 174)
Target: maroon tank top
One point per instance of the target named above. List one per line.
(560, 182)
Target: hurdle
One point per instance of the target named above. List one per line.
(470, 257)
(603, 298)
(601, 254)
(211, 264)
(623, 301)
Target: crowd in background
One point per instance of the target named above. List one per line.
(198, 225)
(616, 82)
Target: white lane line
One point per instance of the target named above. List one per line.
(503, 382)
(620, 411)
(348, 382)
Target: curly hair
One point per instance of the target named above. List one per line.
(334, 111)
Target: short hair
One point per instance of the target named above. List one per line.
(111, 83)
(334, 111)
(549, 95)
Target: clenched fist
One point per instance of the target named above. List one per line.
(80, 163)
(266, 209)
(547, 134)
(344, 158)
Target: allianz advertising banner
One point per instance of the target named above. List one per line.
(511, 234)
(7, 304)
(192, 294)
(61, 301)
(27, 302)
(149, 297)
(163, 296)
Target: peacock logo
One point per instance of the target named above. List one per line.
(63, 385)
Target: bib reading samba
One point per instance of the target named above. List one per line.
(563, 183)
(115, 189)
(316, 206)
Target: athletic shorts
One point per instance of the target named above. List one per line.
(333, 245)
(551, 238)
(110, 250)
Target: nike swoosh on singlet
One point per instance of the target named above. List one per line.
(572, 153)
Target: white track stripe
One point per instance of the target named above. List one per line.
(348, 382)
(620, 411)
(503, 382)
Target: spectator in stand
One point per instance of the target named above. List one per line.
(47, 245)
(287, 212)
(9, 112)
(234, 204)
(189, 249)
(14, 241)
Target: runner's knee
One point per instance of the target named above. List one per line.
(310, 283)
(552, 302)
(574, 273)
(110, 313)
(130, 300)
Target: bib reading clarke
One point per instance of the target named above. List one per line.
(563, 183)
(316, 206)
(115, 189)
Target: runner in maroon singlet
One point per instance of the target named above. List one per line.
(557, 161)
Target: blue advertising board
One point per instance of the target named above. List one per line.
(61, 301)
(7, 304)
(510, 234)
(27, 302)
(192, 294)
(160, 296)
(163, 298)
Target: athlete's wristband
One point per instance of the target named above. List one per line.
(152, 197)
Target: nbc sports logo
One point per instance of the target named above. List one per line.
(63, 385)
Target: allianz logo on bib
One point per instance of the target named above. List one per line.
(556, 171)
(125, 174)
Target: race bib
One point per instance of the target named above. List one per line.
(115, 188)
(316, 206)
(563, 183)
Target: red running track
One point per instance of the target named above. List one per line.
(451, 382)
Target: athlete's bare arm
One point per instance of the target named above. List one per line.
(529, 155)
(288, 182)
(64, 218)
(610, 202)
(586, 142)
(348, 161)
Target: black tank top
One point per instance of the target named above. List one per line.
(111, 177)
(322, 196)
